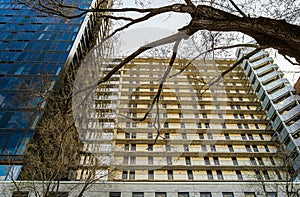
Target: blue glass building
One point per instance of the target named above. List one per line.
(34, 48)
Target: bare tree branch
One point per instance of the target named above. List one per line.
(238, 9)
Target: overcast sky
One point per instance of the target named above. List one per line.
(167, 24)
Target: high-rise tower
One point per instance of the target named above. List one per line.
(36, 51)
(197, 134)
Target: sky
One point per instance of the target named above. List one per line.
(167, 24)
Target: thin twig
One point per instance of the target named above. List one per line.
(238, 9)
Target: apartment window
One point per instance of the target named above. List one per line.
(272, 161)
(124, 175)
(167, 135)
(204, 115)
(249, 194)
(217, 106)
(127, 124)
(114, 194)
(278, 175)
(255, 149)
(190, 174)
(168, 147)
(199, 125)
(166, 125)
(186, 147)
(151, 89)
(239, 126)
(203, 147)
(164, 106)
(125, 160)
(196, 115)
(250, 137)
(132, 175)
(209, 175)
(150, 135)
(160, 194)
(248, 148)
(227, 137)
(182, 125)
(184, 136)
(187, 160)
(271, 194)
(170, 175)
(227, 194)
(149, 124)
(220, 175)
(134, 124)
(134, 105)
(209, 136)
(194, 106)
(202, 106)
(201, 136)
(150, 174)
(133, 147)
(267, 148)
(240, 99)
(206, 161)
(246, 126)
(20, 194)
(220, 115)
(150, 160)
(126, 147)
(205, 194)
(199, 98)
(252, 161)
(230, 148)
(223, 125)
(180, 115)
(235, 116)
(261, 136)
(137, 194)
(212, 148)
(231, 106)
(256, 126)
(133, 135)
(238, 107)
(260, 161)
(179, 106)
(234, 161)
(169, 160)
(242, 116)
(239, 175)
(183, 194)
(132, 160)
(150, 147)
(207, 125)
(266, 175)
(243, 136)
(251, 115)
(216, 161)
(165, 115)
(127, 135)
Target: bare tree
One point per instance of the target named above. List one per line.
(271, 24)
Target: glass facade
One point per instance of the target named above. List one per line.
(33, 49)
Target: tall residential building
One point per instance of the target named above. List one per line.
(199, 139)
(36, 51)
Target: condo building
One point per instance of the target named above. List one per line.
(201, 138)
